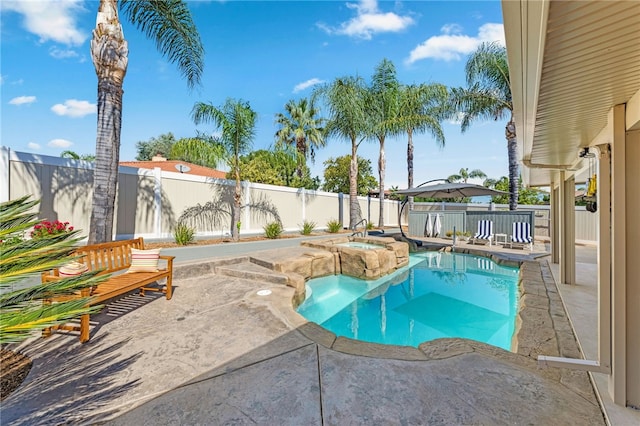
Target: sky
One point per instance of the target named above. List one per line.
(263, 52)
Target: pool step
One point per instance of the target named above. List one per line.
(251, 271)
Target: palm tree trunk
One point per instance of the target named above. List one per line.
(353, 185)
(109, 53)
(301, 148)
(514, 175)
(410, 165)
(381, 169)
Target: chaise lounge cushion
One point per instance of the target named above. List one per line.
(144, 260)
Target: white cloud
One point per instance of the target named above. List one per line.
(452, 45)
(306, 84)
(34, 146)
(369, 21)
(74, 108)
(59, 143)
(62, 53)
(50, 20)
(21, 100)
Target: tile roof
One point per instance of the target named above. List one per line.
(170, 166)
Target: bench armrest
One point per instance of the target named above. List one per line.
(169, 260)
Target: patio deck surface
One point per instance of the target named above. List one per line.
(218, 353)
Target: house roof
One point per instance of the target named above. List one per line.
(570, 62)
(174, 166)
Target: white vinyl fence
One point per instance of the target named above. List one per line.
(150, 202)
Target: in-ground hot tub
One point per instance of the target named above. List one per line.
(365, 257)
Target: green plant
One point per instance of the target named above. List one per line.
(22, 311)
(307, 227)
(183, 234)
(45, 229)
(334, 226)
(449, 233)
(369, 226)
(273, 230)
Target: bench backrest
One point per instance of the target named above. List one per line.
(112, 256)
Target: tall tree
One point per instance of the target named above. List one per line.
(464, 175)
(336, 175)
(301, 127)
(162, 145)
(170, 25)
(383, 104)
(488, 96)
(274, 168)
(422, 109)
(237, 121)
(346, 100)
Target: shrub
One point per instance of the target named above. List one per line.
(369, 226)
(307, 227)
(449, 233)
(333, 226)
(273, 230)
(183, 234)
(22, 310)
(45, 229)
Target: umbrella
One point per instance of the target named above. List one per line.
(428, 230)
(449, 190)
(437, 226)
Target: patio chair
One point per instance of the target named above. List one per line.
(521, 236)
(484, 234)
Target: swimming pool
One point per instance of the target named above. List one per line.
(437, 295)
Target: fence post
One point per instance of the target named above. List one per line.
(340, 207)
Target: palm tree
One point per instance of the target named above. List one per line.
(170, 25)
(422, 109)
(301, 128)
(202, 150)
(488, 96)
(383, 111)
(346, 99)
(464, 175)
(22, 311)
(237, 121)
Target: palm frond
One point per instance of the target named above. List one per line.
(170, 24)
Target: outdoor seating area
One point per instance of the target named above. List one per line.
(141, 268)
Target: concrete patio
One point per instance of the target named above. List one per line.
(218, 353)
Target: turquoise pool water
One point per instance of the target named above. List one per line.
(437, 295)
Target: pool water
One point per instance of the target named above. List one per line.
(438, 295)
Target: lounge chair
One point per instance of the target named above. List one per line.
(484, 234)
(521, 236)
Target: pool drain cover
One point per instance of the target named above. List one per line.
(263, 292)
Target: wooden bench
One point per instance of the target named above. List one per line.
(113, 257)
